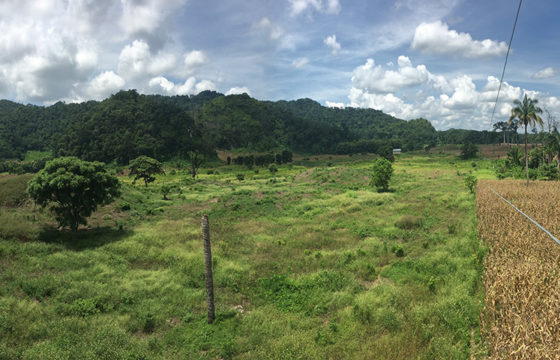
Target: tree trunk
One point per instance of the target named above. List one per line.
(208, 269)
(526, 160)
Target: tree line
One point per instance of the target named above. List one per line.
(129, 124)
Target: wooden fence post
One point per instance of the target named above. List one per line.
(208, 269)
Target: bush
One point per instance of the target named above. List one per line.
(468, 150)
(398, 250)
(382, 172)
(408, 222)
(273, 169)
(240, 177)
(470, 183)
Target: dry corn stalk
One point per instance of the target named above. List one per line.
(522, 277)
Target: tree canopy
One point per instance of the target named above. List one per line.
(73, 189)
(144, 167)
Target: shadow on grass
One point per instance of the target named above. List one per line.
(386, 190)
(84, 239)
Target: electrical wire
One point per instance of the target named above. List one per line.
(505, 63)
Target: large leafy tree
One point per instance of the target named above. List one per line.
(527, 112)
(73, 189)
(144, 167)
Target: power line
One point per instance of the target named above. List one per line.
(505, 63)
(527, 216)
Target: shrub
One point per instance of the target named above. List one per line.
(273, 169)
(468, 150)
(382, 172)
(470, 183)
(398, 250)
(240, 177)
(408, 222)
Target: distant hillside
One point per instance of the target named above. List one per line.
(129, 124)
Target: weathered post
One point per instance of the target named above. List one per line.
(208, 269)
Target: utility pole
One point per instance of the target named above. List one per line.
(208, 269)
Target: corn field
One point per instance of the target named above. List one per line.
(522, 278)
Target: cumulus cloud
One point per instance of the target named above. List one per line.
(337, 105)
(161, 85)
(331, 42)
(237, 90)
(377, 79)
(84, 49)
(105, 84)
(445, 101)
(136, 61)
(300, 62)
(546, 73)
(437, 38)
(148, 15)
(300, 6)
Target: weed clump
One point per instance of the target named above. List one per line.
(409, 222)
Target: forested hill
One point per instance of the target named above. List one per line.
(129, 124)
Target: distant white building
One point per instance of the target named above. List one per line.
(396, 151)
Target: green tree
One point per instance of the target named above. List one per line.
(144, 167)
(526, 111)
(196, 159)
(468, 150)
(386, 151)
(73, 189)
(514, 156)
(382, 172)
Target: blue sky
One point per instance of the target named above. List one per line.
(437, 59)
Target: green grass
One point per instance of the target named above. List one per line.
(36, 155)
(309, 263)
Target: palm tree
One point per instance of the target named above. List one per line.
(527, 112)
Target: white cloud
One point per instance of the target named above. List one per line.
(276, 34)
(161, 85)
(331, 42)
(337, 105)
(273, 31)
(81, 49)
(546, 73)
(148, 15)
(138, 64)
(105, 84)
(194, 60)
(236, 90)
(445, 101)
(300, 6)
(332, 7)
(376, 79)
(300, 62)
(436, 38)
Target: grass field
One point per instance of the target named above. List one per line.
(311, 263)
